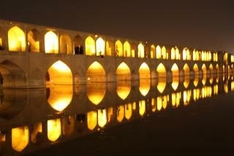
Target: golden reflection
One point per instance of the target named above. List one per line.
(161, 70)
(60, 73)
(102, 117)
(196, 81)
(123, 89)
(120, 113)
(175, 99)
(144, 87)
(96, 92)
(91, 120)
(204, 79)
(144, 71)
(96, 73)
(196, 94)
(226, 87)
(60, 96)
(110, 114)
(186, 81)
(211, 79)
(175, 82)
(142, 107)
(128, 111)
(206, 92)
(100, 47)
(53, 129)
(134, 106)
(154, 104)
(187, 94)
(20, 138)
(36, 132)
(232, 86)
(216, 89)
(161, 86)
(162, 102)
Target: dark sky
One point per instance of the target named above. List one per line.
(202, 24)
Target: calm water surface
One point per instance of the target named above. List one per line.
(190, 117)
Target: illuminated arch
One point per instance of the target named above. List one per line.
(141, 50)
(90, 46)
(175, 70)
(128, 111)
(65, 44)
(102, 117)
(92, 120)
(78, 44)
(161, 86)
(54, 129)
(33, 41)
(100, 47)
(211, 69)
(51, 42)
(217, 69)
(186, 69)
(186, 54)
(96, 93)
(204, 69)
(152, 51)
(20, 138)
(161, 70)
(142, 107)
(60, 96)
(120, 113)
(196, 70)
(123, 89)
(144, 87)
(118, 48)
(16, 39)
(109, 48)
(173, 53)
(123, 72)
(158, 52)
(127, 49)
(60, 73)
(96, 73)
(144, 71)
(164, 53)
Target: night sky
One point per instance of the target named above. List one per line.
(202, 24)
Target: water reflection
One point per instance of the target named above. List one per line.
(31, 120)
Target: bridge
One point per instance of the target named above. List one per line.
(34, 56)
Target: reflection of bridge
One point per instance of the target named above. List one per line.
(68, 114)
(33, 55)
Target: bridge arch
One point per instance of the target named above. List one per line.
(109, 48)
(51, 42)
(96, 73)
(118, 48)
(34, 38)
(141, 50)
(78, 44)
(16, 39)
(65, 44)
(90, 46)
(100, 47)
(144, 71)
(161, 71)
(59, 73)
(123, 72)
(127, 49)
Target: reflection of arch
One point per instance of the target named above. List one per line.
(161, 70)
(20, 138)
(16, 39)
(211, 69)
(144, 71)
(100, 47)
(123, 89)
(89, 46)
(51, 42)
(33, 41)
(59, 73)
(196, 69)
(123, 72)
(141, 50)
(54, 129)
(127, 49)
(118, 48)
(78, 45)
(96, 93)
(65, 44)
(96, 73)
(204, 69)
(91, 120)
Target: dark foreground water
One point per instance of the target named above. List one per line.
(196, 120)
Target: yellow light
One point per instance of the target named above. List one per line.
(187, 97)
(91, 120)
(123, 90)
(37, 128)
(144, 87)
(100, 46)
(96, 72)
(53, 129)
(102, 117)
(96, 93)
(175, 82)
(20, 138)
(175, 99)
(154, 104)
(142, 107)
(51, 42)
(128, 111)
(123, 72)
(120, 113)
(161, 86)
(16, 39)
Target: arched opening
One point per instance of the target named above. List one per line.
(78, 45)
(158, 52)
(90, 46)
(127, 49)
(123, 89)
(96, 73)
(16, 39)
(175, 76)
(109, 48)
(164, 53)
(186, 70)
(118, 48)
(186, 54)
(91, 120)
(152, 51)
(120, 113)
(33, 41)
(144, 71)
(54, 129)
(51, 43)
(20, 138)
(141, 50)
(100, 47)
(102, 117)
(128, 111)
(123, 72)
(65, 44)
(204, 71)
(196, 70)
(59, 73)
(161, 70)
